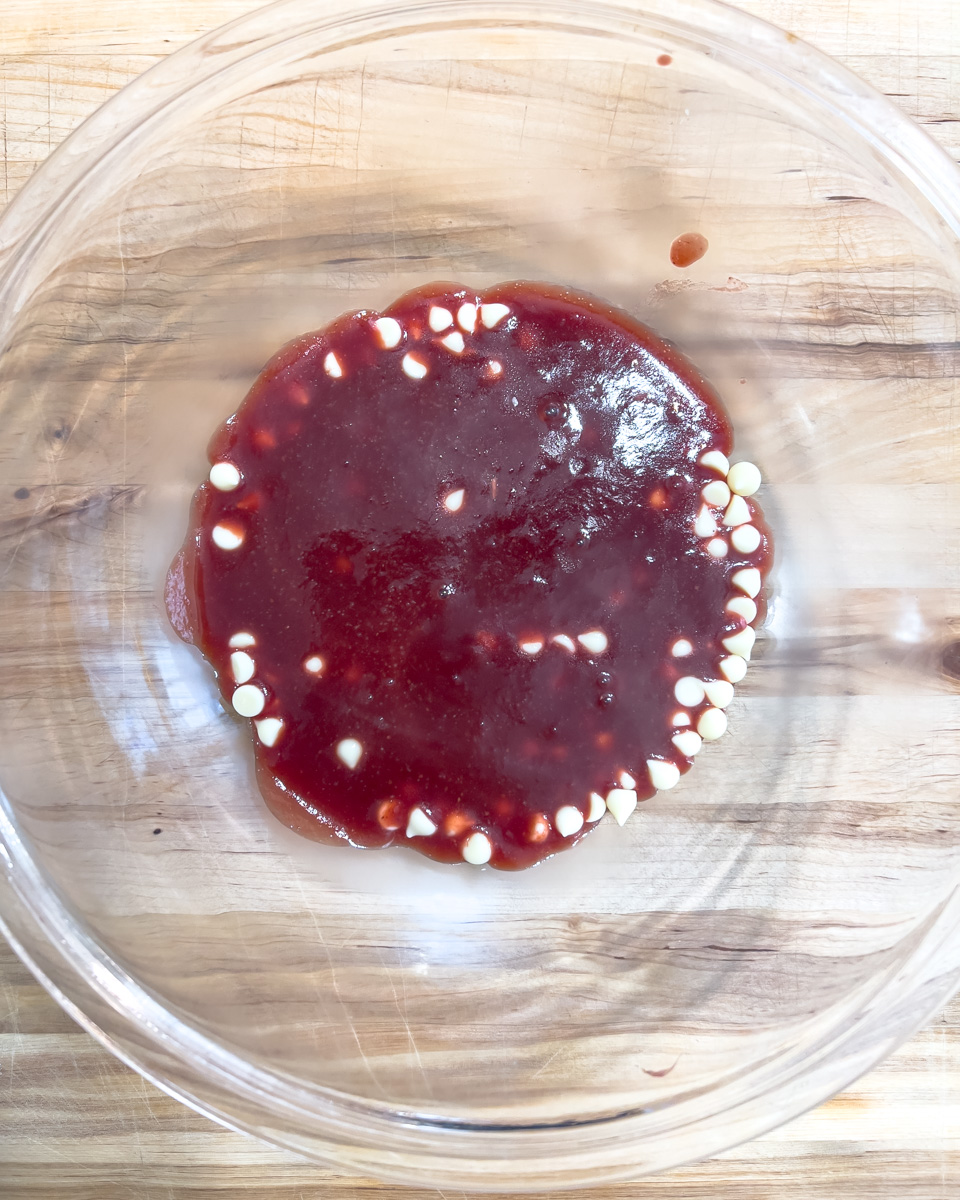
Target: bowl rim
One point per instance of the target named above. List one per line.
(356, 1135)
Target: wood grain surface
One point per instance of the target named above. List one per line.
(74, 1121)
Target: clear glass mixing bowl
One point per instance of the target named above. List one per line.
(751, 941)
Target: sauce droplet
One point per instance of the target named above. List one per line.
(687, 249)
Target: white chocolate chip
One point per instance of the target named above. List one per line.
(717, 548)
(226, 538)
(224, 476)
(745, 538)
(268, 730)
(467, 317)
(680, 718)
(568, 820)
(742, 606)
(419, 824)
(242, 666)
(313, 664)
(349, 751)
(716, 493)
(454, 342)
(719, 692)
(620, 803)
(241, 641)
(594, 641)
(738, 512)
(492, 314)
(440, 319)
(598, 806)
(687, 742)
(663, 774)
(681, 648)
(531, 648)
(734, 668)
(453, 501)
(567, 643)
(413, 367)
(689, 691)
(744, 478)
(741, 643)
(495, 368)
(712, 724)
(626, 780)
(705, 525)
(389, 332)
(331, 364)
(476, 849)
(715, 461)
(248, 700)
(747, 579)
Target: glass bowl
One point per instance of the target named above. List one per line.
(751, 941)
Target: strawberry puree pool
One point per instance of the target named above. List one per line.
(477, 570)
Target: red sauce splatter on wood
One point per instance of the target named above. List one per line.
(664, 60)
(687, 249)
(579, 467)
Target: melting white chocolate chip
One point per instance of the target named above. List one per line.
(389, 332)
(738, 512)
(440, 319)
(744, 478)
(492, 314)
(248, 700)
(741, 643)
(734, 668)
(531, 648)
(689, 691)
(663, 774)
(313, 664)
(241, 666)
(413, 367)
(454, 342)
(680, 718)
(242, 641)
(719, 692)
(626, 780)
(268, 730)
(715, 461)
(477, 849)
(705, 525)
(712, 724)
(716, 493)
(594, 641)
(453, 501)
(224, 476)
(742, 606)
(419, 824)
(717, 548)
(687, 742)
(745, 538)
(467, 317)
(681, 648)
(226, 538)
(561, 639)
(495, 368)
(620, 804)
(349, 751)
(331, 364)
(748, 580)
(598, 806)
(568, 820)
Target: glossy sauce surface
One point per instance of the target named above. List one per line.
(468, 554)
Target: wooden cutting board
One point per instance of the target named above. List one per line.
(75, 1122)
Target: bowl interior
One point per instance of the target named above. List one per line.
(734, 933)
